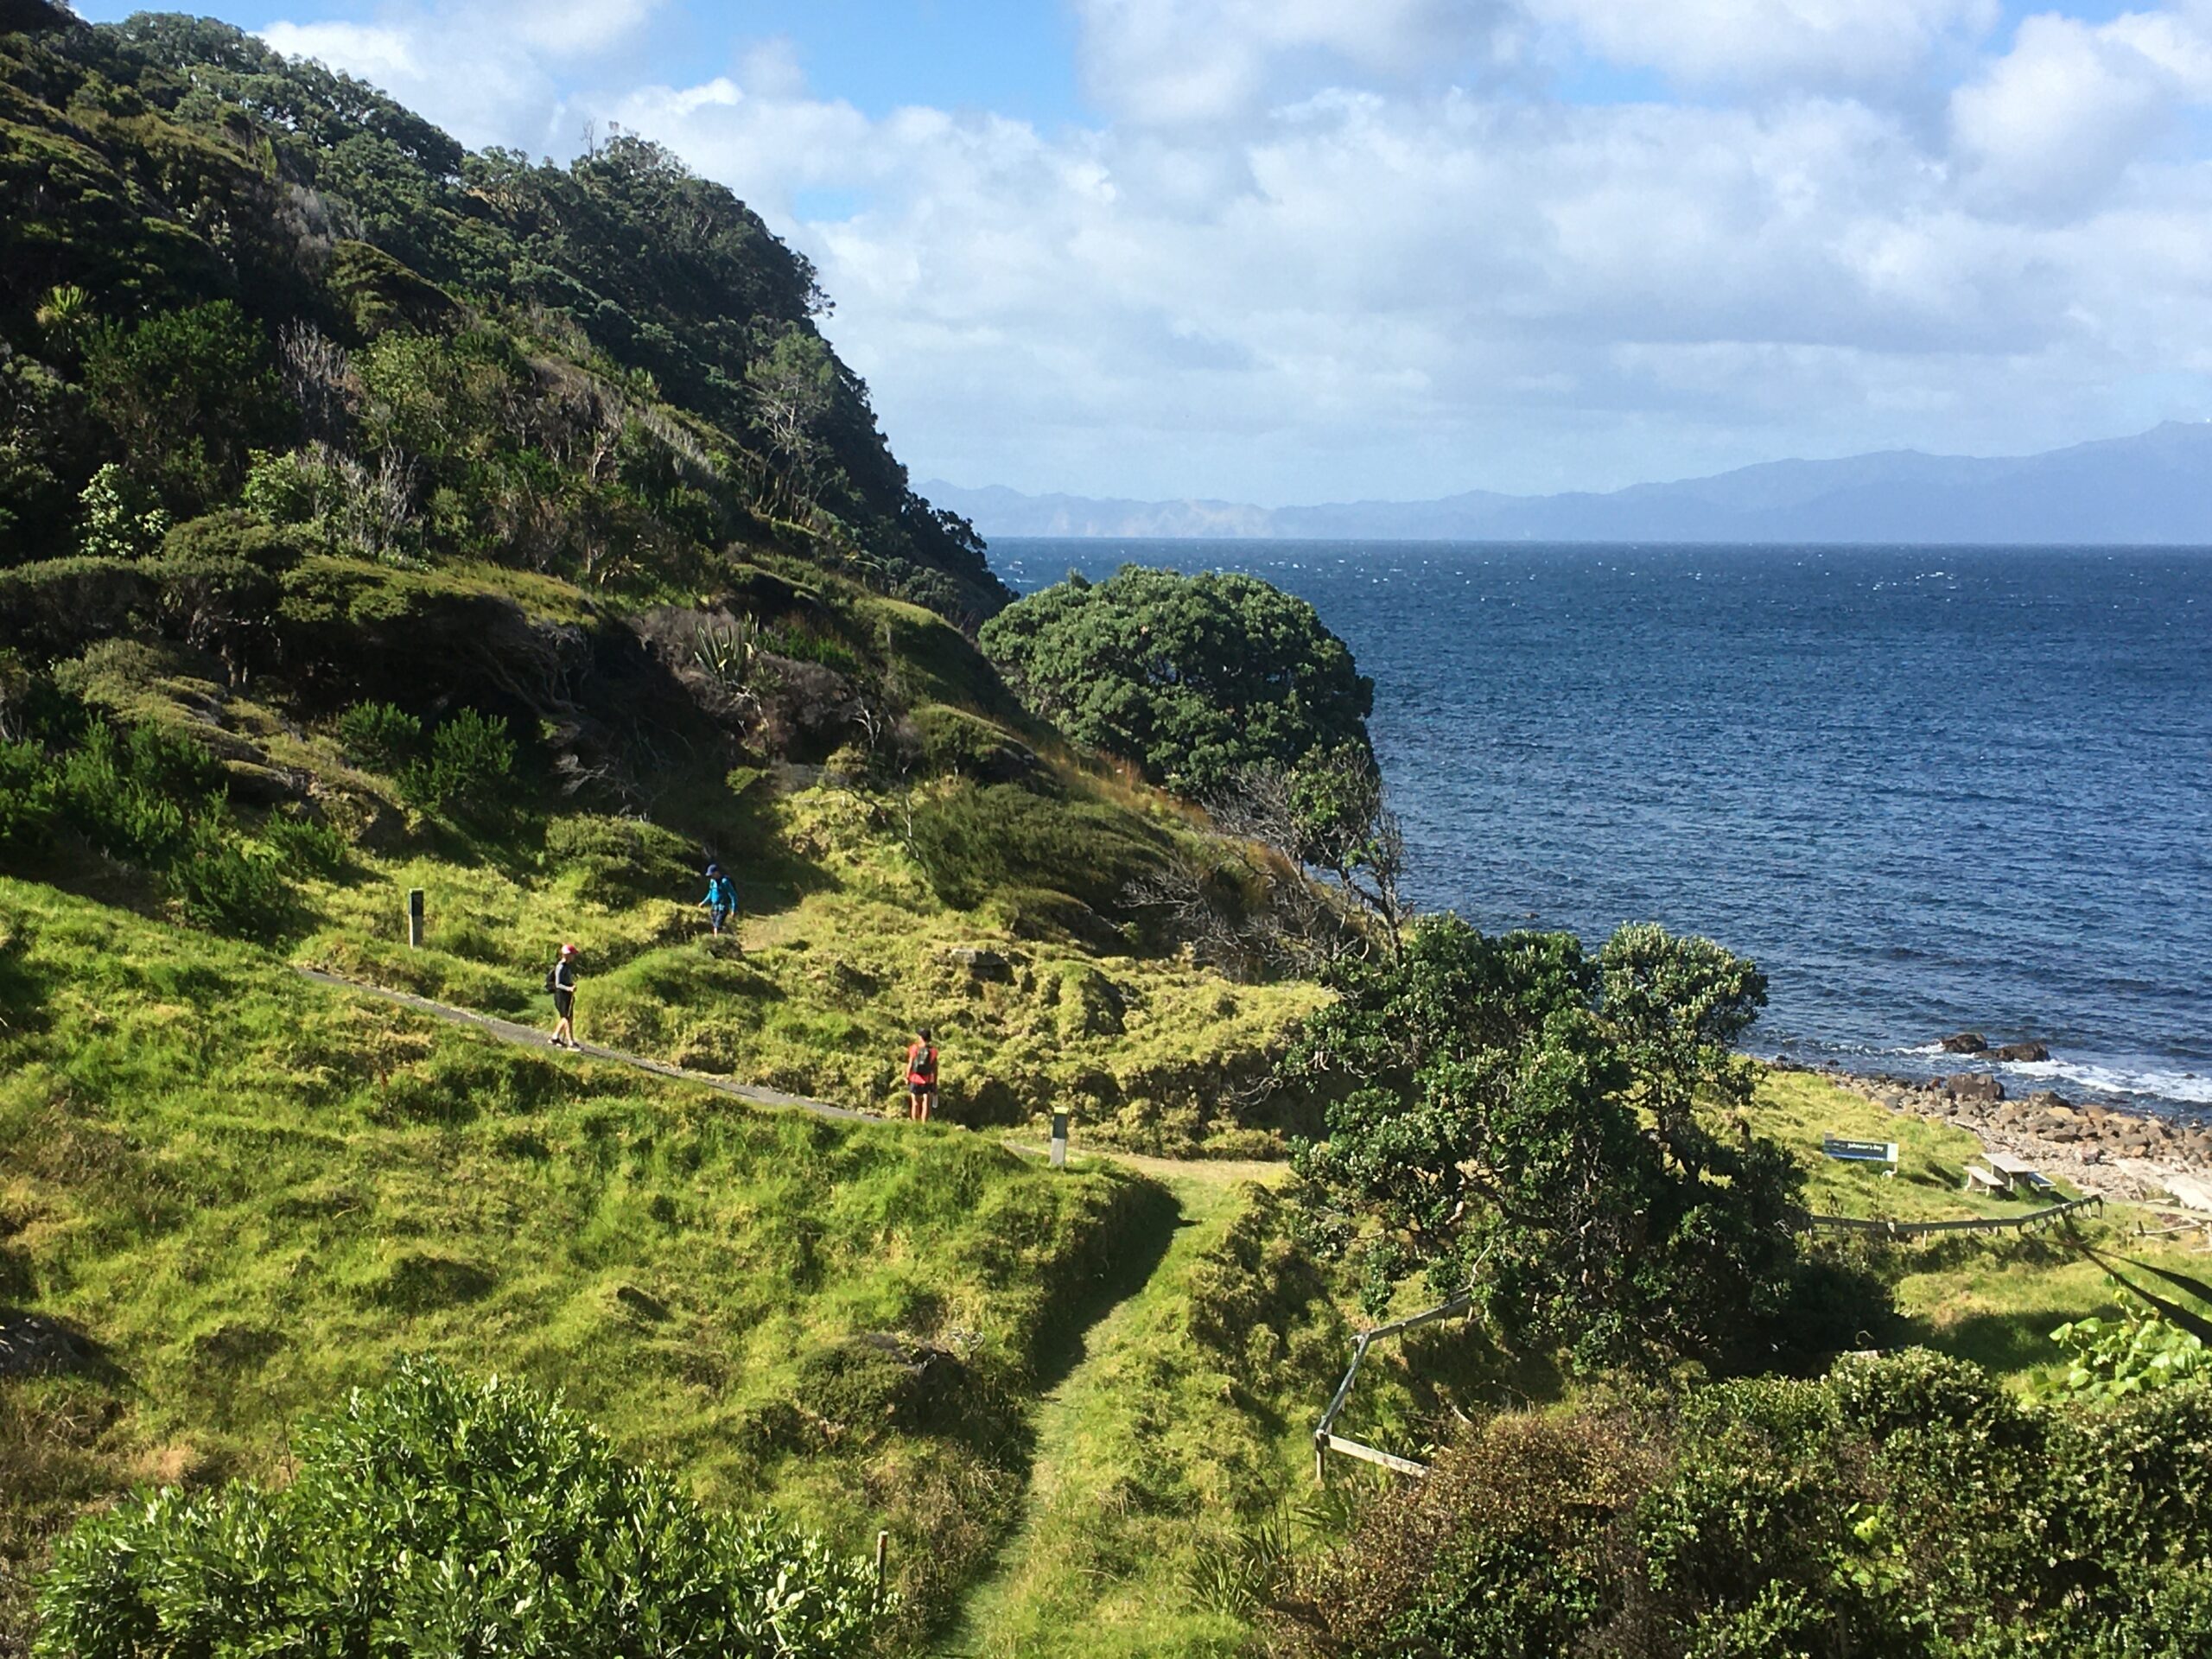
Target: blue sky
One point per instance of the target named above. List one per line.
(1305, 250)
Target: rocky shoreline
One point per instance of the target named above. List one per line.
(2098, 1147)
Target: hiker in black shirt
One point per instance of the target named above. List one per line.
(561, 980)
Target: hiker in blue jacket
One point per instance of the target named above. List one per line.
(720, 902)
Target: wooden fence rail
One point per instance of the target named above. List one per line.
(1326, 1440)
(1976, 1224)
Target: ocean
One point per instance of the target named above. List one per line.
(1926, 789)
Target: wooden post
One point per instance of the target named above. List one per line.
(1059, 1140)
(882, 1555)
(415, 917)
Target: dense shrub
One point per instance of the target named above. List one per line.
(54, 609)
(131, 795)
(471, 761)
(1512, 1118)
(378, 734)
(1904, 1508)
(305, 847)
(1194, 678)
(977, 840)
(443, 1514)
(226, 885)
(185, 393)
(116, 520)
(27, 798)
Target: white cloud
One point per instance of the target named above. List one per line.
(2054, 124)
(486, 70)
(1823, 42)
(1173, 62)
(1309, 256)
(384, 56)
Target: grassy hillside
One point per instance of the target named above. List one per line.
(374, 517)
(314, 421)
(226, 1195)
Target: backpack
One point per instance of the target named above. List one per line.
(552, 985)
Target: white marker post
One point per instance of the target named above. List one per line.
(1059, 1140)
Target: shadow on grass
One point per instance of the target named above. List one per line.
(1129, 1252)
(2005, 1343)
(2187, 1318)
(38, 1344)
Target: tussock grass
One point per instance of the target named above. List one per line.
(838, 961)
(245, 1194)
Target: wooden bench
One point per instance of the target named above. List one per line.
(1861, 1152)
(1987, 1180)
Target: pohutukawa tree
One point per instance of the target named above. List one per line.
(1192, 678)
(1512, 1115)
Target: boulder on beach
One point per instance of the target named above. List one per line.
(2022, 1052)
(1972, 1085)
(1963, 1042)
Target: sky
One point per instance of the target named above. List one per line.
(1300, 250)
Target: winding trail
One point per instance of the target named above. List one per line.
(1199, 1199)
(1219, 1172)
(1017, 1609)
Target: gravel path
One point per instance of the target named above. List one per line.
(532, 1037)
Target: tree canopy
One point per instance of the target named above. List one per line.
(1193, 677)
(1512, 1114)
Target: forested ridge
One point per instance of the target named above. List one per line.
(632, 370)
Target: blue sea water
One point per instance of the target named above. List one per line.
(1926, 789)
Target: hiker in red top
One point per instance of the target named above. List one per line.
(921, 1077)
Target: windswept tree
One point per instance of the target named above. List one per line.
(1486, 1106)
(794, 386)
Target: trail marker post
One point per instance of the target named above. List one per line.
(415, 917)
(882, 1554)
(1059, 1140)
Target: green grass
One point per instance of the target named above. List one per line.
(845, 952)
(1184, 1429)
(1994, 1299)
(247, 1194)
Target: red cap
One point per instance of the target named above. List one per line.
(568, 949)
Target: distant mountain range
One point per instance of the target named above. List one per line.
(2155, 488)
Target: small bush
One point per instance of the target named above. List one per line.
(1905, 1507)
(306, 848)
(119, 522)
(226, 886)
(129, 795)
(379, 735)
(472, 758)
(975, 841)
(445, 1515)
(27, 798)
